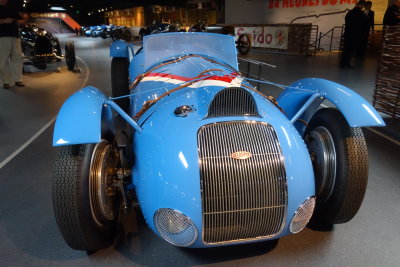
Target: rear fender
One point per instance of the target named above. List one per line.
(84, 118)
(303, 98)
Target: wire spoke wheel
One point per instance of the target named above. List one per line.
(244, 44)
(86, 195)
(323, 155)
(101, 191)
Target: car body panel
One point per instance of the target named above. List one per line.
(82, 118)
(167, 175)
(357, 111)
(163, 79)
(119, 48)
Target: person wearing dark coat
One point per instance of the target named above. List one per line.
(369, 23)
(353, 32)
(392, 14)
(10, 44)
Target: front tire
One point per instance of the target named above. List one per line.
(83, 223)
(120, 81)
(340, 160)
(70, 57)
(57, 47)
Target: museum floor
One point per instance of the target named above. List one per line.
(28, 231)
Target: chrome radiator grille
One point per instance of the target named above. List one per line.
(243, 199)
(233, 101)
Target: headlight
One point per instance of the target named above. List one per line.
(302, 215)
(175, 227)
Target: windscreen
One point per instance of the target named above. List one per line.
(159, 47)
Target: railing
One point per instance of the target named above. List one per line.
(313, 39)
(320, 15)
(330, 41)
(332, 36)
(258, 71)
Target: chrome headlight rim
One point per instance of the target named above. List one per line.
(162, 231)
(301, 208)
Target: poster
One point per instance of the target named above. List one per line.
(267, 37)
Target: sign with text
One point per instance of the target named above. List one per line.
(308, 3)
(275, 37)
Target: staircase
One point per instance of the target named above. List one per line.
(67, 19)
(331, 41)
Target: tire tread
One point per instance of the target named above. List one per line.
(73, 220)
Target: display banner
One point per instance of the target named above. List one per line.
(285, 11)
(268, 37)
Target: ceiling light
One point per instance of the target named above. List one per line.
(56, 8)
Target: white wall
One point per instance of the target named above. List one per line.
(262, 11)
(245, 11)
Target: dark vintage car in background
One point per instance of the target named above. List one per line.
(41, 48)
(160, 28)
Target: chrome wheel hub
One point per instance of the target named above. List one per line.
(323, 155)
(101, 191)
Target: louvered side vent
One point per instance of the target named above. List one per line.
(243, 182)
(233, 101)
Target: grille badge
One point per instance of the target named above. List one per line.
(241, 155)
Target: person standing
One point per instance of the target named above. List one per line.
(392, 14)
(10, 44)
(354, 25)
(369, 23)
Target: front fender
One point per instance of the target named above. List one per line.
(119, 49)
(357, 111)
(82, 118)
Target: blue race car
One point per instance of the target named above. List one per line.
(210, 160)
(95, 31)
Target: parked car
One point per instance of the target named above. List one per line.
(98, 30)
(107, 31)
(40, 48)
(88, 31)
(210, 160)
(121, 32)
(243, 42)
(160, 28)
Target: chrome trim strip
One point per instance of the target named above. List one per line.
(242, 200)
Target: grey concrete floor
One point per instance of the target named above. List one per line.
(29, 234)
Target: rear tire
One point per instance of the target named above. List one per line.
(120, 81)
(127, 35)
(341, 192)
(72, 200)
(103, 34)
(116, 34)
(70, 57)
